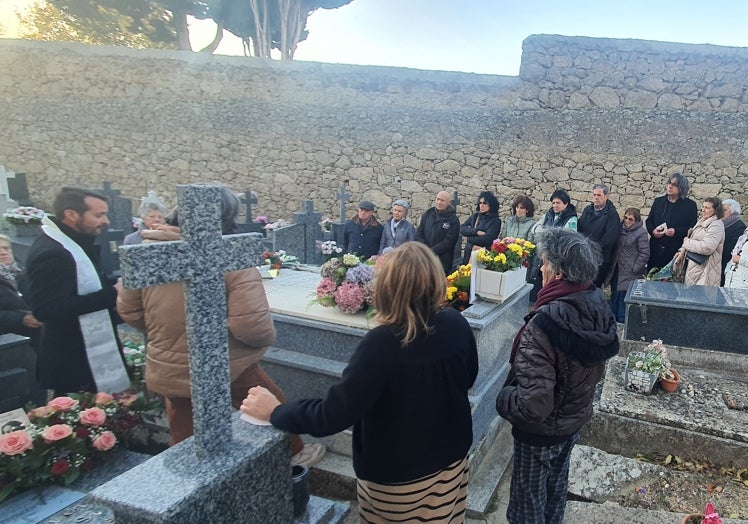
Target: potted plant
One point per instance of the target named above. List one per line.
(669, 378)
(643, 368)
(708, 517)
(500, 271)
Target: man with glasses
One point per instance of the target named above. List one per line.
(669, 220)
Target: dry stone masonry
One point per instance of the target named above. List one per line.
(623, 112)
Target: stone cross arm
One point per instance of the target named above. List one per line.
(174, 262)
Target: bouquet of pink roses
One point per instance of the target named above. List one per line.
(64, 438)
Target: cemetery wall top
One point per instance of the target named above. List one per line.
(622, 112)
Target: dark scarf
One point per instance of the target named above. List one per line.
(551, 291)
(730, 220)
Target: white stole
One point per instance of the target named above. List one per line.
(107, 367)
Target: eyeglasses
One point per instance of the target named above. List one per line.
(673, 184)
(482, 203)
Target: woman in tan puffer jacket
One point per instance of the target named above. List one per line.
(160, 312)
(707, 238)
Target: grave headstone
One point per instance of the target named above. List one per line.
(309, 218)
(120, 208)
(229, 469)
(6, 202)
(18, 384)
(249, 198)
(678, 313)
(109, 241)
(18, 189)
(343, 197)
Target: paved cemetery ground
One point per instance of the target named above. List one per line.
(663, 482)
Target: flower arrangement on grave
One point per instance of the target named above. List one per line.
(66, 437)
(645, 368)
(458, 288)
(506, 254)
(134, 360)
(24, 215)
(330, 249)
(326, 224)
(347, 283)
(261, 219)
(276, 259)
(276, 225)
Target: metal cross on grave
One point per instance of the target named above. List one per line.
(455, 200)
(200, 259)
(343, 197)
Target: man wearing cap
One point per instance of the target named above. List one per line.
(397, 230)
(363, 233)
(440, 230)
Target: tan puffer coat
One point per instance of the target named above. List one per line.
(706, 238)
(159, 311)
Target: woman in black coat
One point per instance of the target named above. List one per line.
(483, 226)
(15, 314)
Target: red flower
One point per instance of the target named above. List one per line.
(499, 247)
(82, 432)
(60, 467)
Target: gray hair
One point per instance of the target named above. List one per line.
(570, 253)
(735, 208)
(682, 183)
(151, 202)
(402, 203)
(601, 186)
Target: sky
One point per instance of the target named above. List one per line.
(483, 36)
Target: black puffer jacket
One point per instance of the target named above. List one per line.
(561, 357)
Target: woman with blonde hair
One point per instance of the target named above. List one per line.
(405, 392)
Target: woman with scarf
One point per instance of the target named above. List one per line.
(629, 260)
(483, 226)
(15, 314)
(557, 359)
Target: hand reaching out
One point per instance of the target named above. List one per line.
(259, 403)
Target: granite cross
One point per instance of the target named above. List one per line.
(343, 197)
(200, 259)
(5, 200)
(455, 200)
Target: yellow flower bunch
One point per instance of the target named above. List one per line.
(458, 288)
(506, 254)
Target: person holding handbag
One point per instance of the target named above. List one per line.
(702, 248)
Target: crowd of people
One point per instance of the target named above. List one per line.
(405, 389)
(703, 250)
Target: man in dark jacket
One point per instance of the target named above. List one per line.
(69, 294)
(601, 223)
(440, 229)
(363, 233)
(669, 220)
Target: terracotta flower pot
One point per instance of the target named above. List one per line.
(668, 385)
(692, 518)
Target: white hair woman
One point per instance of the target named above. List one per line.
(405, 392)
(557, 358)
(152, 212)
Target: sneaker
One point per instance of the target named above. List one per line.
(309, 456)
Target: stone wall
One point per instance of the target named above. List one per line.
(291, 131)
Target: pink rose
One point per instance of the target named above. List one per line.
(40, 412)
(93, 417)
(103, 398)
(62, 403)
(128, 400)
(15, 442)
(56, 432)
(105, 441)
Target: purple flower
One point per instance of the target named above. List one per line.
(360, 274)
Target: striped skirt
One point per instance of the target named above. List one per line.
(439, 497)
